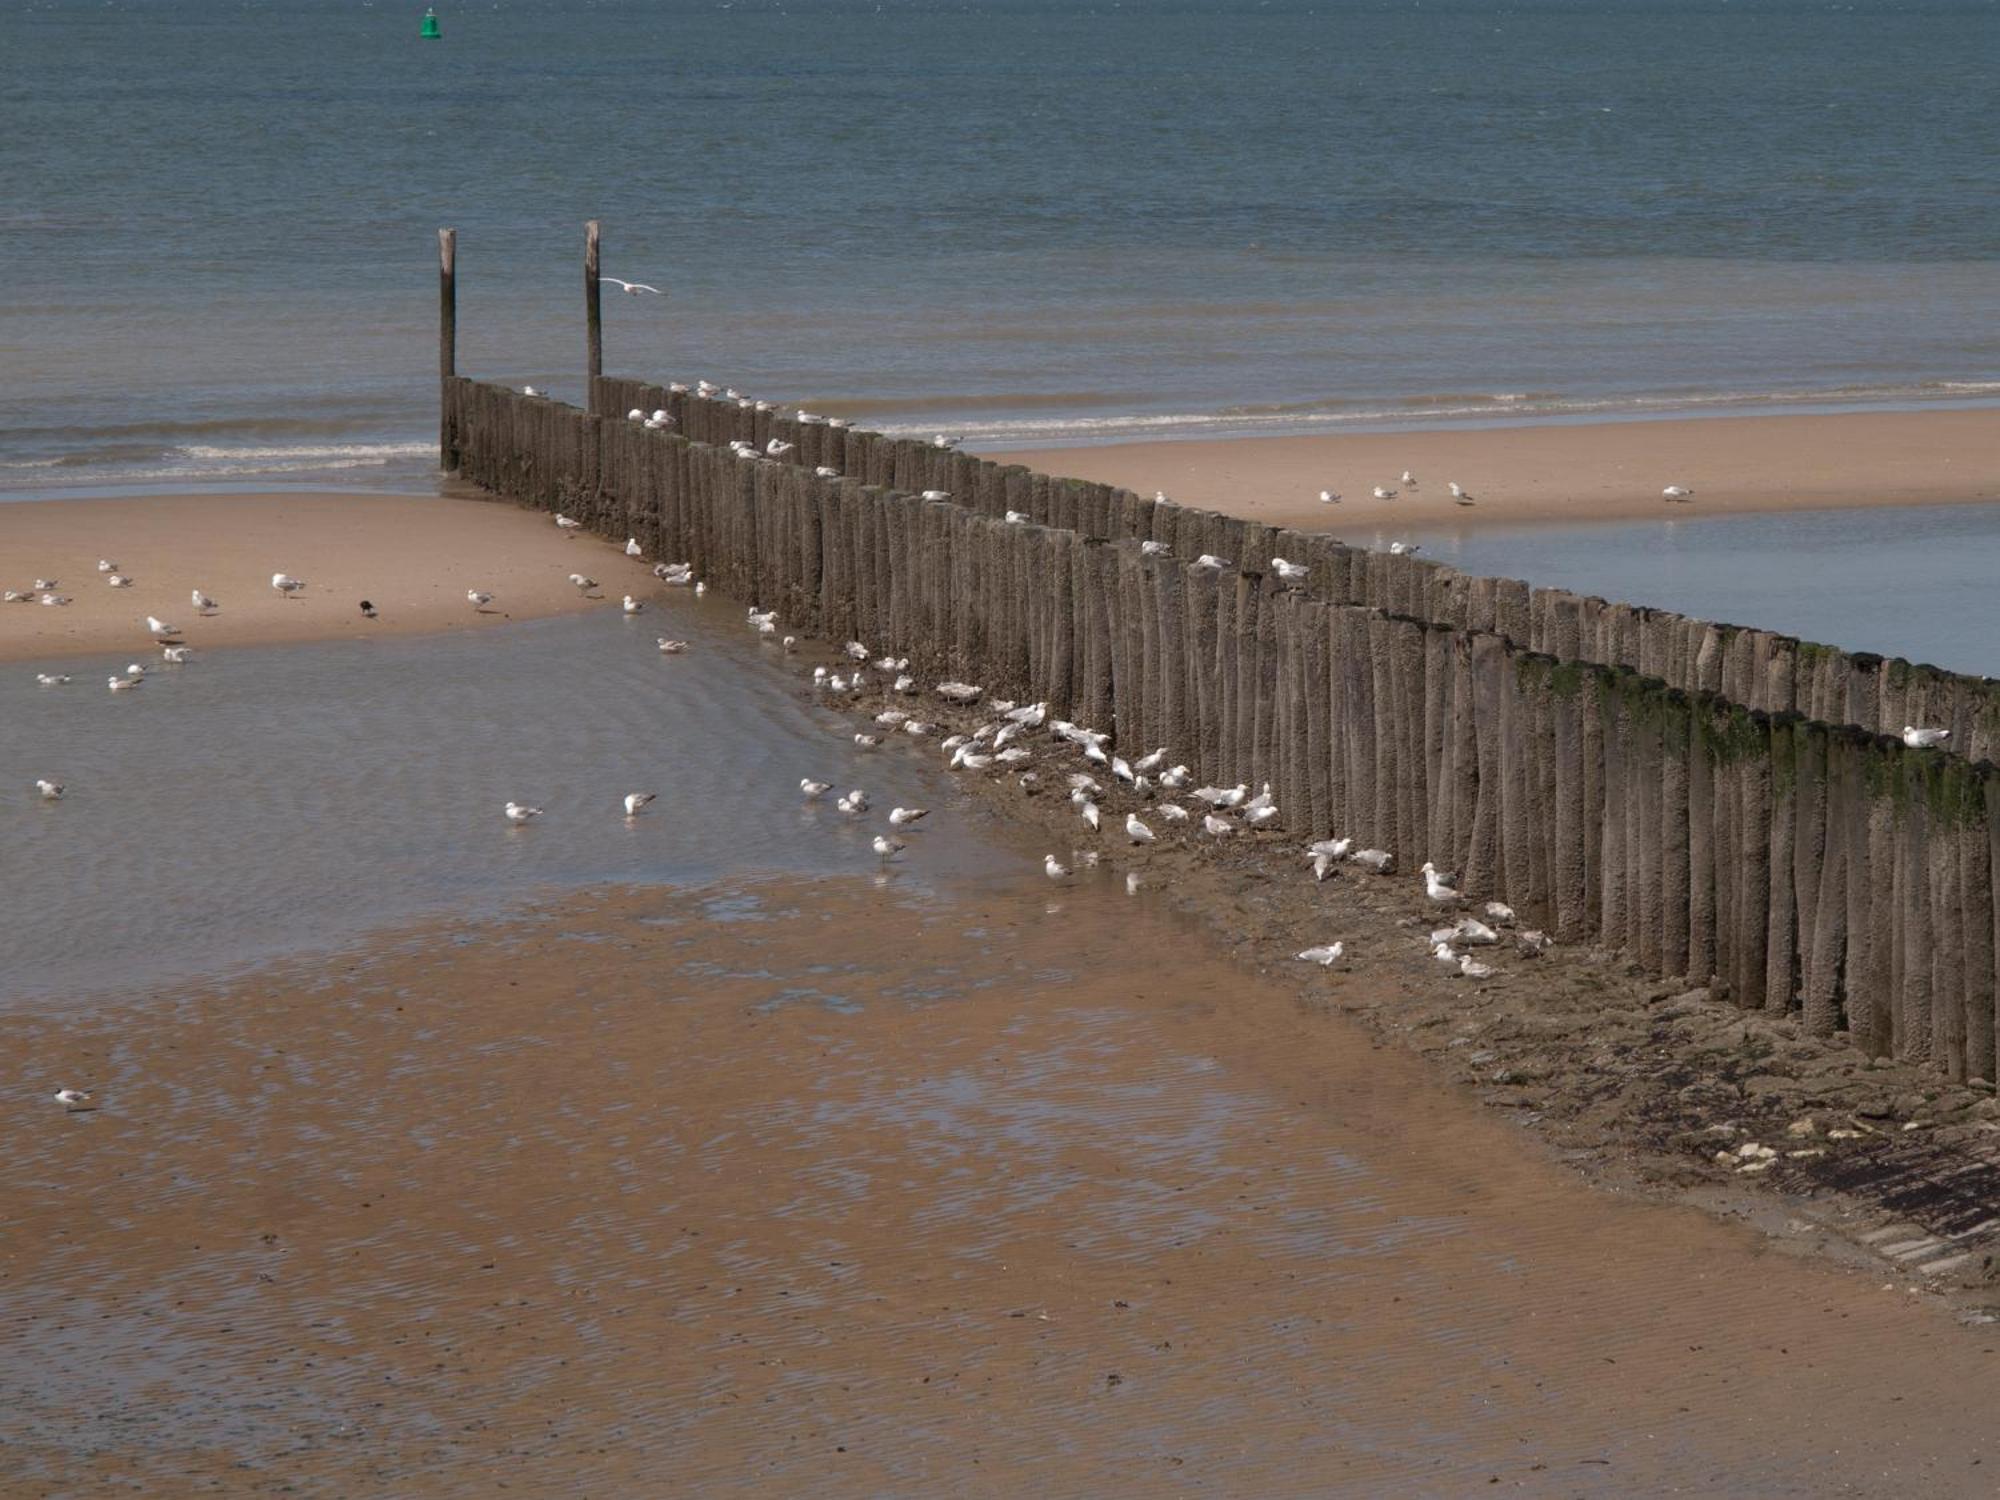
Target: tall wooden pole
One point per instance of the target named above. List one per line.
(592, 309)
(447, 340)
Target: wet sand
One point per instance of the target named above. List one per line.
(862, 1189)
(1582, 472)
(413, 557)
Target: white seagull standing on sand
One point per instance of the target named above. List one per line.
(119, 581)
(51, 790)
(567, 523)
(1409, 479)
(106, 565)
(634, 801)
(1924, 739)
(202, 603)
(160, 628)
(74, 1101)
(478, 598)
(520, 813)
(1329, 497)
(583, 585)
(1137, 831)
(632, 547)
(630, 289)
(287, 585)
(1326, 955)
(1677, 492)
(1436, 888)
(1383, 493)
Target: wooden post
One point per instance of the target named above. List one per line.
(447, 339)
(592, 307)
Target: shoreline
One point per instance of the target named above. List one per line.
(1562, 473)
(413, 557)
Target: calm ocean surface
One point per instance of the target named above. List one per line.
(1024, 219)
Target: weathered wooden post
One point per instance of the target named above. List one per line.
(592, 306)
(447, 342)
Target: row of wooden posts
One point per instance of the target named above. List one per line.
(1623, 788)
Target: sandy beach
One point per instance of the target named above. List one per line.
(1551, 473)
(831, 1186)
(412, 557)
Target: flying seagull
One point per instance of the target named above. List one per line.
(631, 289)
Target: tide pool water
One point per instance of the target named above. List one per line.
(1019, 219)
(1916, 582)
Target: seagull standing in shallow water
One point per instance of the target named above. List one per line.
(634, 801)
(51, 790)
(517, 813)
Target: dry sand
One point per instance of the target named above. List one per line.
(853, 1189)
(412, 557)
(1594, 471)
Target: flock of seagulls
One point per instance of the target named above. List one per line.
(1461, 496)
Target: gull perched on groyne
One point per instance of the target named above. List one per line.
(1289, 572)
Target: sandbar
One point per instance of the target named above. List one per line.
(1601, 471)
(412, 557)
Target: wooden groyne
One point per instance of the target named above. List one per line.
(1714, 802)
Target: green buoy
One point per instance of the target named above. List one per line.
(431, 25)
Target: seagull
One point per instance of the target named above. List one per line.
(670, 648)
(1435, 886)
(566, 523)
(1472, 969)
(1289, 572)
(203, 604)
(630, 289)
(51, 790)
(1404, 549)
(824, 472)
(74, 1101)
(47, 583)
(1216, 826)
(1475, 933)
(942, 441)
(520, 813)
(1017, 518)
(633, 606)
(160, 628)
(1441, 951)
(635, 415)
(180, 656)
(1500, 912)
(106, 565)
(135, 669)
(1409, 479)
(814, 790)
(1210, 560)
(528, 390)
(51, 679)
(1329, 497)
(1384, 494)
(778, 449)
(119, 581)
(1054, 868)
(583, 585)
(632, 547)
(1137, 831)
(900, 816)
(1173, 812)
(1677, 492)
(54, 600)
(1257, 817)
(855, 801)
(1458, 493)
(1322, 866)
(120, 684)
(1326, 955)
(636, 800)
(1924, 739)
(1091, 815)
(866, 741)
(1377, 860)
(887, 847)
(367, 610)
(287, 585)
(1153, 549)
(478, 598)
(935, 495)
(1331, 848)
